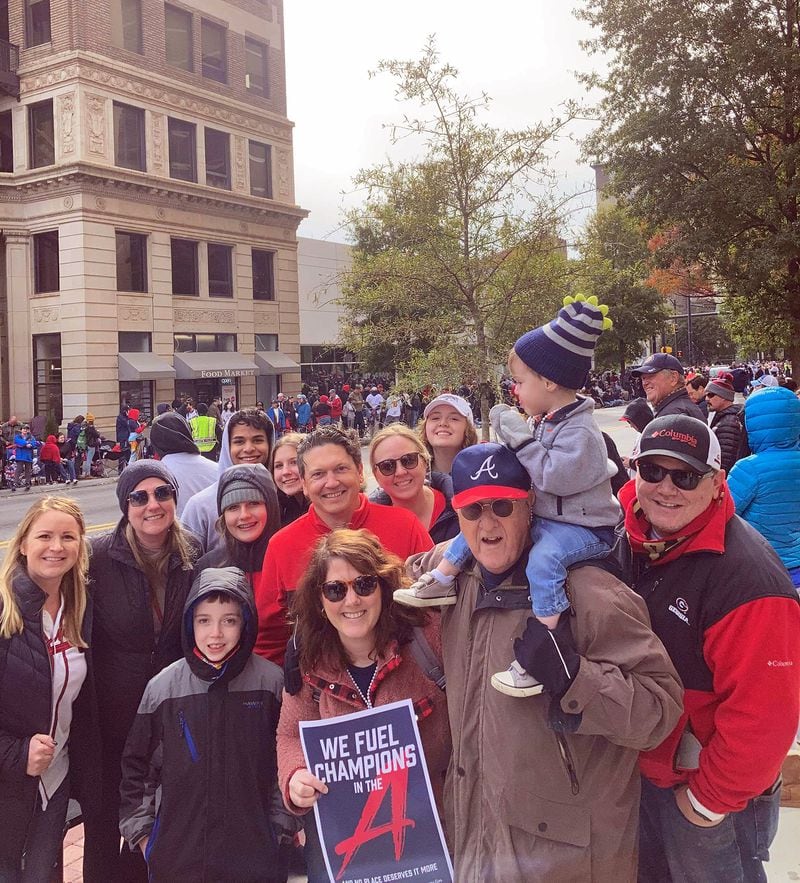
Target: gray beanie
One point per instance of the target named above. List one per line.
(171, 434)
(138, 472)
(240, 491)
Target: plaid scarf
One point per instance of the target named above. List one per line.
(706, 533)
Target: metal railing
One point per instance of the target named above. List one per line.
(9, 56)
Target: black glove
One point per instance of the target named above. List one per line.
(292, 678)
(549, 656)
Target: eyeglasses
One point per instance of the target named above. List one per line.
(407, 461)
(161, 494)
(652, 473)
(501, 508)
(335, 590)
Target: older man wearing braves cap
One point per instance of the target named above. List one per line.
(663, 383)
(729, 616)
(545, 788)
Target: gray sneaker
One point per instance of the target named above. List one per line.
(515, 681)
(427, 591)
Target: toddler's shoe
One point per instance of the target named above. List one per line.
(515, 681)
(427, 591)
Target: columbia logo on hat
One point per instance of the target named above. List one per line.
(682, 438)
(488, 471)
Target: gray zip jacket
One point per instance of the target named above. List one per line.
(568, 465)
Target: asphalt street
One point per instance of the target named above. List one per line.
(97, 496)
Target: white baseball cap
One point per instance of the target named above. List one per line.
(448, 398)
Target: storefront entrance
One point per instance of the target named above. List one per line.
(206, 389)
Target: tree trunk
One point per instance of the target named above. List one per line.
(792, 352)
(484, 394)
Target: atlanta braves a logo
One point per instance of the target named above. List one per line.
(488, 467)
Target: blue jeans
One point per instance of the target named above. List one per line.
(671, 848)
(556, 546)
(68, 470)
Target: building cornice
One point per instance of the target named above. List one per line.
(159, 92)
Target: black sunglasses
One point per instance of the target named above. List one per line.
(652, 473)
(336, 589)
(161, 494)
(501, 508)
(407, 461)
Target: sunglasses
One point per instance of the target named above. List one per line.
(407, 461)
(500, 508)
(336, 589)
(161, 494)
(653, 474)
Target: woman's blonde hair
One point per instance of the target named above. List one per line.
(398, 429)
(73, 583)
(288, 438)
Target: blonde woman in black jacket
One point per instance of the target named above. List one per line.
(43, 683)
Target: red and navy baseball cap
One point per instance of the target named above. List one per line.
(488, 472)
(684, 438)
(659, 362)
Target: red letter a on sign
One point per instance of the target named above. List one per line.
(397, 783)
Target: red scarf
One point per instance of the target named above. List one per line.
(706, 533)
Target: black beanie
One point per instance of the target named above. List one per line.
(138, 472)
(171, 434)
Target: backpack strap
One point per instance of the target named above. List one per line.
(426, 659)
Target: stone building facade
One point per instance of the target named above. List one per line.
(148, 245)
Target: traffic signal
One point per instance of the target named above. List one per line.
(667, 349)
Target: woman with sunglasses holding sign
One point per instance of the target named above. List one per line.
(44, 689)
(354, 654)
(401, 465)
(140, 578)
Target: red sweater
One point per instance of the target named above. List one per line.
(49, 451)
(290, 549)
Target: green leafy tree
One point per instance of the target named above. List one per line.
(614, 265)
(700, 128)
(457, 252)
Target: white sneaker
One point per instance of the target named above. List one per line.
(515, 681)
(427, 591)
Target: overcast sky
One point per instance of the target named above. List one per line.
(523, 53)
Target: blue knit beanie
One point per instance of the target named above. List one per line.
(562, 350)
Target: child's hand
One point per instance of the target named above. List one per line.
(510, 426)
(305, 789)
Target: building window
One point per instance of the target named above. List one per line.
(45, 262)
(184, 266)
(135, 342)
(129, 149)
(182, 150)
(179, 43)
(42, 139)
(266, 343)
(215, 61)
(256, 69)
(220, 270)
(260, 169)
(218, 163)
(47, 376)
(131, 261)
(37, 21)
(263, 275)
(6, 143)
(126, 24)
(205, 343)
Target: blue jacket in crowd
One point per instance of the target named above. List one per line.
(766, 485)
(25, 445)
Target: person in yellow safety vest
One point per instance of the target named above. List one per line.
(204, 432)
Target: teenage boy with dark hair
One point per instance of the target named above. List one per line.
(205, 735)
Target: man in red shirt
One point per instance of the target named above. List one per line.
(329, 462)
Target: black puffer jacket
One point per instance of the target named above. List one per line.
(679, 402)
(727, 426)
(125, 651)
(25, 709)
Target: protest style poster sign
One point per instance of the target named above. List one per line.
(378, 822)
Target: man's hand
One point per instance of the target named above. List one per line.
(549, 656)
(41, 750)
(305, 788)
(510, 426)
(689, 812)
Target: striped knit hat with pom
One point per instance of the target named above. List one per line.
(562, 350)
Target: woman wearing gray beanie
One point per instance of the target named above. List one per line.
(140, 576)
